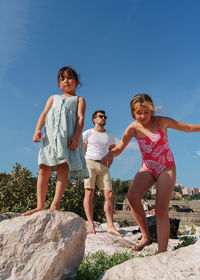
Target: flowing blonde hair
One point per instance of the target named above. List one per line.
(142, 100)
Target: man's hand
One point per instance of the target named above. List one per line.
(107, 159)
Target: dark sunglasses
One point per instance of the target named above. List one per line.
(101, 117)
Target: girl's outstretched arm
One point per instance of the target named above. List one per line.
(74, 140)
(185, 127)
(117, 150)
(38, 133)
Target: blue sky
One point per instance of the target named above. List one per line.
(119, 48)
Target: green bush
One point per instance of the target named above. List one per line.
(17, 190)
(93, 265)
(18, 194)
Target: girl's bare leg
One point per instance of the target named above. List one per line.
(62, 177)
(165, 186)
(42, 187)
(142, 182)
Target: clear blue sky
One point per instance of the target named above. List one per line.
(119, 48)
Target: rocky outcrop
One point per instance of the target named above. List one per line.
(44, 246)
(182, 264)
(111, 243)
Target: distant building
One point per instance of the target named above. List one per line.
(187, 191)
(195, 190)
(179, 190)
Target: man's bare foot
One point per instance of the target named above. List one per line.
(141, 245)
(28, 213)
(91, 228)
(114, 232)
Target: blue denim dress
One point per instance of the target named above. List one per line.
(60, 126)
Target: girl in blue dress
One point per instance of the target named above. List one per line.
(62, 144)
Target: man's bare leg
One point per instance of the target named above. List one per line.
(108, 208)
(88, 207)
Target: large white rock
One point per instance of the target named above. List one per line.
(48, 245)
(182, 264)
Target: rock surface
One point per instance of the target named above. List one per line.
(111, 243)
(182, 264)
(44, 246)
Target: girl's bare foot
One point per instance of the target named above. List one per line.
(91, 228)
(141, 245)
(28, 213)
(54, 207)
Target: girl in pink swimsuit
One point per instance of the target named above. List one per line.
(156, 154)
(158, 165)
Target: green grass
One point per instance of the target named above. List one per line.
(185, 241)
(93, 265)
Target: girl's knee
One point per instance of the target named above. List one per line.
(129, 196)
(44, 169)
(62, 172)
(62, 167)
(161, 212)
(133, 195)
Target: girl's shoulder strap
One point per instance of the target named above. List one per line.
(55, 96)
(51, 98)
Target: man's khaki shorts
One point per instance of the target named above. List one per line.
(99, 174)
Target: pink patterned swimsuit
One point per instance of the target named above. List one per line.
(156, 153)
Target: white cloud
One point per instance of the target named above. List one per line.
(27, 149)
(126, 165)
(132, 145)
(198, 153)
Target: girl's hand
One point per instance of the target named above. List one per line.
(73, 143)
(37, 136)
(107, 159)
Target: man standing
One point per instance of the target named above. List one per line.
(98, 142)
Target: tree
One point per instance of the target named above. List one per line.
(17, 190)
(148, 195)
(120, 189)
(18, 194)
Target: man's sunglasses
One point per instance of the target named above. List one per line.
(102, 116)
